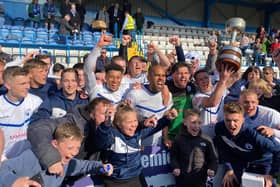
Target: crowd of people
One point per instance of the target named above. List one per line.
(96, 117)
(121, 104)
(73, 17)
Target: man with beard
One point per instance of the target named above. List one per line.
(181, 89)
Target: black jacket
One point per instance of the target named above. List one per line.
(193, 155)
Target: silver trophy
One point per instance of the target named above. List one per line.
(231, 54)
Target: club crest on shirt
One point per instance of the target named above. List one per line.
(248, 146)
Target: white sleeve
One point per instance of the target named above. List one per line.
(89, 69)
(131, 97)
(196, 102)
(275, 119)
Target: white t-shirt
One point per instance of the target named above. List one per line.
(208, 115)
(14, 120)
(266, 116)
(147, 104)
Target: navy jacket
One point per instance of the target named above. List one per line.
(247, 150)
(57, 105)
(124, 152)
(44, 91)
(3, 90)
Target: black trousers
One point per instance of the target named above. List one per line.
(133, 182)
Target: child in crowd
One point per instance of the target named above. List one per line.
(21, 170)
(192, 155)
(121, 140)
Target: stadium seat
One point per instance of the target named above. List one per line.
(4, 32)
(96, 36)
(87, 36)
(77, 42)
(41, 41)
(42, 34)
(53, 33)
(27, 40)
(52, 41)
(16, 33)
(19, 21)
(30, 34)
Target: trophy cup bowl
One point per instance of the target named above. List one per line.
(229, 54)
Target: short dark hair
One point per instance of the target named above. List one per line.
(117, 58)
(79, 66)
(113, 66)
(200, 71)
(249, 70)
(178, 65)
(57, 67)
(43, 56)
(91, 106)
(136, 57)
(70, 70)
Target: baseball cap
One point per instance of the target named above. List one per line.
(192, 55)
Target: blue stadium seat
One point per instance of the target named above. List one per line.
(17, 33)
(96, 36)
(17, 27)
(6, 26)
(41, 34)
(19, 21)
(40, 41)
(89, 43)
(12, 39)
(29, 29)
(53, 33)
(29, 34)
(86, 35)
(27, 40)
(4, 32)
(42, 30)
(52, 41)
(77, 42)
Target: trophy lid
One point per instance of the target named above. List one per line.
(236, 23)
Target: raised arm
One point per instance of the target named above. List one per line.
(90, 63)
(163, 60)
(175, 40)
(218, 92)
(123, 47)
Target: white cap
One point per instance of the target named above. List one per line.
(192, 55)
